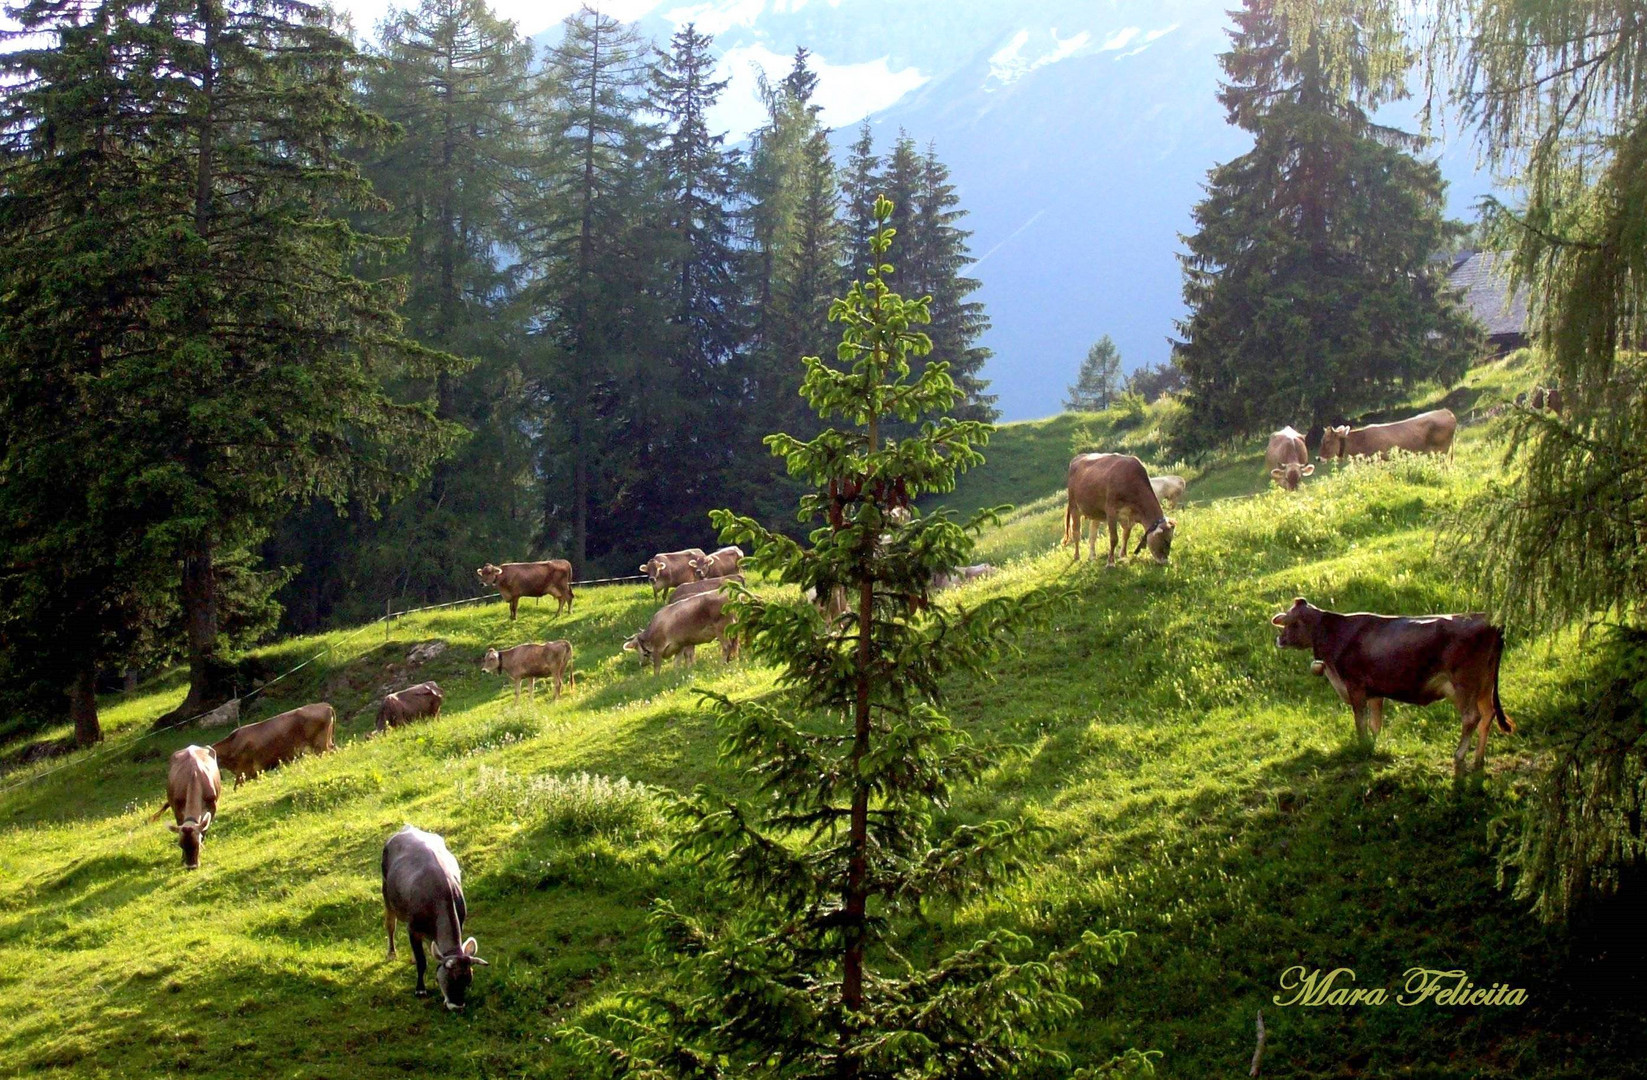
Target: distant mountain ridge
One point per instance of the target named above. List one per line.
(1078, 135)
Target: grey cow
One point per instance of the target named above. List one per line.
(423, 887)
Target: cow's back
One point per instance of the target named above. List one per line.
(534, 578)
(420, 875)
(698, 588)
(1096, 480)
(193, 783)
(697, 620)
(1286, 447)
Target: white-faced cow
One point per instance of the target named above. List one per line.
(553, 577)
(1427, 433)
(722, 563)
(1116, 488)
(668, 569)
(1417, 660)
(192, 790)
(252, 749)
(1169, 489)
(1287, 459)
(423, 888)
(549, 660)
(412, 703)
(698, 588)
(677, 629)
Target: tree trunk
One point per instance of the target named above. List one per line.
(83, 708)
(209, 674)
(857, 868)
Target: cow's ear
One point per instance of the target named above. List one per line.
(470, 948)
(1279, 619)
(175, 828)
(1276, 473)
(1308, 470)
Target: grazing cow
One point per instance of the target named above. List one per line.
(192, 789)
(1537, 403)
(249, 750)
(677, 630)
(960, 576)
(1287, 458)
(1168, 489)
(1426, 433)
(1115, 487)
(551, 660)
(1547, 397)
(517, 579)
(423, 887)
(424, 699)
(831, 607)
(698, 588)
(1419, 660)
(670, 568)
(720, 564)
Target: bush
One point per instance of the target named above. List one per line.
(582, 804)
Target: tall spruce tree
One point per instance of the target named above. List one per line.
(1310, 280)
(595, 284)
(247, 372)
(802, 972)
(958, 321)
(860, 187)
(454, 79)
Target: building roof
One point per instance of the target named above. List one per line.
(1483, 277)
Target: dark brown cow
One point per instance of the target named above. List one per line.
(677, 630)
(412, 703)
(553, 577)
(698, 588)
(1287, 459)
(670, 568)
(550, 660)
(249, 750)
(1116, 488)
(1427, 433)
(1416, 660)
(192, 790)
(722, 563)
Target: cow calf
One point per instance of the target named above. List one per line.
(550, 660)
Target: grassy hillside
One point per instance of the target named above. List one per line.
(1197, 786)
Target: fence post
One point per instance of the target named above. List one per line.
(386, 608)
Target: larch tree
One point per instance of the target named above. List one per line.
(593, 287)
(803, 971)
(1312, 289)
(1099, 379)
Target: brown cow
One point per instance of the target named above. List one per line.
(1169, 489)
(1427, 433)
(249, 750)
(1115, 487)
(677, 630)
(1287, 458)
(720, 564)
(412, 703)
(1417, 660)
(550, 660)
(192, 789)
(949, 579)
(514, 580)
(670, 568)
(698, 588)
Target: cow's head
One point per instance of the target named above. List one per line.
(638, 644)
(190, 835)
(1292, 474)
(1297, 625)
(700, 567)
(489, 574)
(491, 662)
(1333, 441)
(455, 971)
(1158, 538)
(651, 566)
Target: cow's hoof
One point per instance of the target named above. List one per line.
(1317, 667)
(420, 993)
(453, 1008)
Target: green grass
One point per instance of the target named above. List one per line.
(1197, 786)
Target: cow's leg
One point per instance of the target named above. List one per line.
(532, 691)
(1469, 718)
(1110, 520)
(1484, 725)
(389, 928)
(1126, 540)
(514, 603)
(517, 691)
(1375, 715)
(557, 686)
(422, 963)
(1358, 706)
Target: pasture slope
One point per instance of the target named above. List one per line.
(1197, 786)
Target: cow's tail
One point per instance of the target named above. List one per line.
(1505, 724)
(1072, 523)
(167, 805)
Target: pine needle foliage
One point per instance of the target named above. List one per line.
(822, 872)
